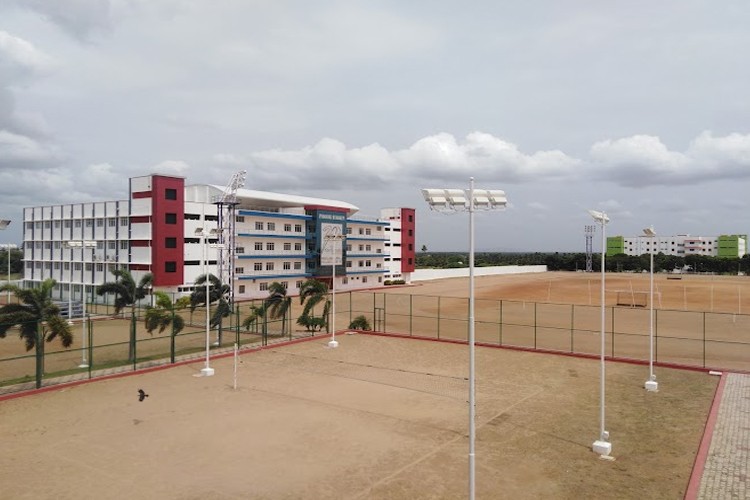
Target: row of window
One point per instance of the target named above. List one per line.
(111, 245)
(77, 223)
(271, 266)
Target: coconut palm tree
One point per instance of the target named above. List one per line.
(127, 293)
(163, 315)
(217, 293)
(311, 293)
(37, 317)
(278, 303)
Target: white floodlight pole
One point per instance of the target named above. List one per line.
(206, 371)
(602, 446)
(333, 238)
(82, 244)
(216, 232)
(651, 384)
(451, 200)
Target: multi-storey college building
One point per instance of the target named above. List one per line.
(730, 246)
(169, 229)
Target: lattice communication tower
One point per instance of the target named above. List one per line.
(589, 231)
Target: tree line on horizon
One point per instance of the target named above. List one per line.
(576, 261)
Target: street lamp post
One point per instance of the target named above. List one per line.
(651, 384)
(4, 223)
(332, 254)
(461, 200)
(82, 244)
(602, 446)
(206, 371)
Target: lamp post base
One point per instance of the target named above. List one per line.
(603, 448)
(207, 372)
(333, 344)
(83, 365)
(651, 385)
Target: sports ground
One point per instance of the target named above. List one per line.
(378, 417)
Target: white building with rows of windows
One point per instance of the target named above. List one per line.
(178, 232)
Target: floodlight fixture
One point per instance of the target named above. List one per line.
(602, 446)
(4, 223)
(651, 384)
(471, 200)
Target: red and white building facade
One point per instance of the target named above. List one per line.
(163, 228)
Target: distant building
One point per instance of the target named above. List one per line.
(729, 246)
(157, 230)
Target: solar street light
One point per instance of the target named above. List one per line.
(651, 384)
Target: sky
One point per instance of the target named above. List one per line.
(639, 108)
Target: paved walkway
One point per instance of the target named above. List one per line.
(726, 472)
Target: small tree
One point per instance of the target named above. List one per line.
(360, 323)
(278, 303)
(163, 315)
(37, 317)
(218, 293)
(311, 293)
(127, 294)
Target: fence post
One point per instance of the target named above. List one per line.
(613, 331)
(704, 339)
(171, 340)
(237, 333)
(438, 318)
(500, 327)
(572, 326)
(39, 358)
(534, 325)
(656, 335)
(411, 314)
(90, 347)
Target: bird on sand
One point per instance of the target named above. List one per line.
(141, 395)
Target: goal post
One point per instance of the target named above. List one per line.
(630, 298)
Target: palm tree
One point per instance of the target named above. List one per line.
(126, 295)
(218, 292)
(162, 315)
(278, 303)
(311, 293)
(37, 317)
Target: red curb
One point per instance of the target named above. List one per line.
(48, 388)
(700, 459)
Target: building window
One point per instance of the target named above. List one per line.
(124, 245)
(258, 266)
(368, 263)
(258, 226)
(348, 230)
(112, 222)
(123, 221)
(348, 263)
(66, 224)
(348, 248)
(75, 224)
(240, 218)
(298, 284)
(368, 231)
(242, 289)
(298, 247)
(170, 194)
(112, 245)
(270, 245)
(345, 280)
(361, 230)
(287, 228)
(263, 287)
(298, 228)
(99, 222)
(364, 279)
(89, 223)
(287, 265)
(170, 266)
(170, 242)
(368, 248)
(239, 270)
(269, 266)
(271, 226)
(298, 265)
(170, 218)
(287, 246)
(239, 250)
(410, 233)
(259, 245)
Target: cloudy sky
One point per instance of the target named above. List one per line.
(638, 108)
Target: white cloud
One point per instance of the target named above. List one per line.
(20, 60)
(643, 160)
(18, 151)
(174, 167)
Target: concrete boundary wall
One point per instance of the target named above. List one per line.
(434, 274)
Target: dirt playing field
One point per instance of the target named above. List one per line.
(380, 418)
